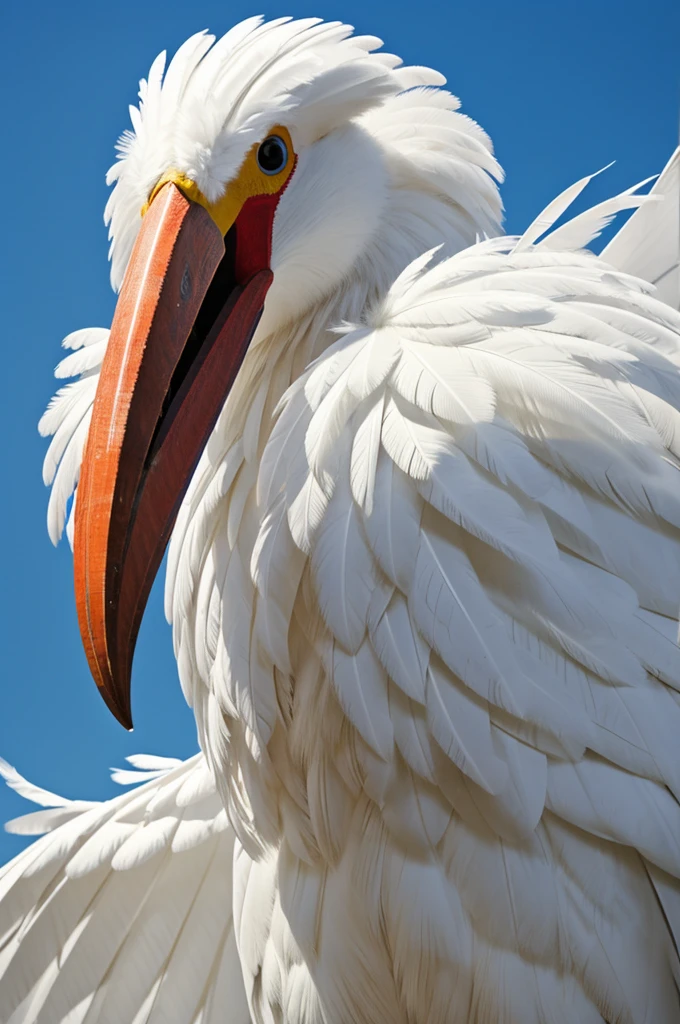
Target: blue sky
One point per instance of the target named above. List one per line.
(563, 88)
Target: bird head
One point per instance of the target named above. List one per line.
(256, 176)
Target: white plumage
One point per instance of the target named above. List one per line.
(131, 904)
(424, 589)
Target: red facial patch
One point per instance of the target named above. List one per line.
(254, 226)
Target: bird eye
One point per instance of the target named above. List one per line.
(272, 156)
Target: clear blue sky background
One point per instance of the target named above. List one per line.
(563, 88)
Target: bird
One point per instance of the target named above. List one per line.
(419, 485)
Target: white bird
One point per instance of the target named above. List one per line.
(423, 577)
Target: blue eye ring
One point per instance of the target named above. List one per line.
(272, 155)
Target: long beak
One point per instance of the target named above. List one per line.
(179, 334)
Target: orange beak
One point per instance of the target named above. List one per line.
(179, 334)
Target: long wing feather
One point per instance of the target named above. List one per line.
(121, 911)
(648, 245)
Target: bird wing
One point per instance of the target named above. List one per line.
(648, 245)
(122, 911)
(478, 489)
(487, 490)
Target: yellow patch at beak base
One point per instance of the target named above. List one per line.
(250, 181)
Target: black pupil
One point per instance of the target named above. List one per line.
(271, 155)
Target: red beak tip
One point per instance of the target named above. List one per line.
(124, 717)
(117, 705)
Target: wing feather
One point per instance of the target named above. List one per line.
(648, 245)
(122, 923)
